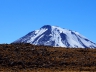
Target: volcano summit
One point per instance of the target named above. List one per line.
(57, 37)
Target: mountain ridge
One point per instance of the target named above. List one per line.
(55, 36)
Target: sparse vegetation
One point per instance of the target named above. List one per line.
(27, 57)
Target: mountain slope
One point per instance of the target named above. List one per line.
(57, 37)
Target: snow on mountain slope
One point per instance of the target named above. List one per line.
(57, 37)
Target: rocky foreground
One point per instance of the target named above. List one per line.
(31, 58)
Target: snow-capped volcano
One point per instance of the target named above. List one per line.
(57, 37)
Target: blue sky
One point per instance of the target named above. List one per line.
(18, 17)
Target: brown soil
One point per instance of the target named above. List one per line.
(31, 58)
